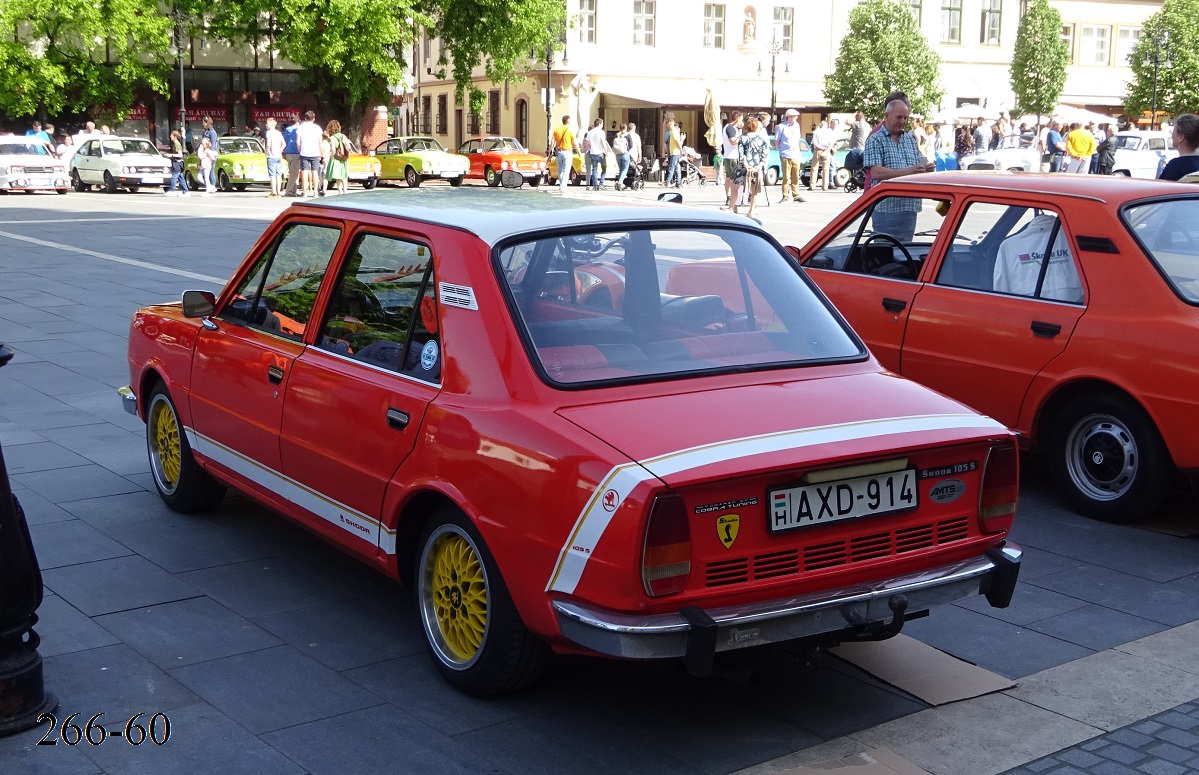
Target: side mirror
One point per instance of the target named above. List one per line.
(198, 304)
(674, 197)
(511, 179)
(794, 251)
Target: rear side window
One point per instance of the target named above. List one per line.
(648, 304)
(1169, 233)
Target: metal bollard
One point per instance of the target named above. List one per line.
(23, 696)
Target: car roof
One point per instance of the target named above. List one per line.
(495, 215)
(1103, 188)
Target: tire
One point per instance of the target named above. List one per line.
(192, 183)
(491, 176)
(370, 183)
(411, 178)
(181, 483)
(1122, 174)
(1109, 460)
(535, 182)
(62, 190)
(840, 177)
(772, 175)
(222, 181)
(472, 630)
(133, 189)
(241, 186)
(575, 178)
(456, 182)
(110, 183)
(77, 182)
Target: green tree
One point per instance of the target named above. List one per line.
(495, 34)
(1038, 72)
(1172, 36)
(74, 56)
(883, 52)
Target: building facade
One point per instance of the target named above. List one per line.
(647, 61)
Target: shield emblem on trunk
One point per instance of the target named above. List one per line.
(727, 526)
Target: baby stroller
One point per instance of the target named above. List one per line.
(649, 169)
(689, 171)
(857, 172)
(634, 178)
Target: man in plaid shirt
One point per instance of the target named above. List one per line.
(889, 154)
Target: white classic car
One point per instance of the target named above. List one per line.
(1027, 159)
(1143, 154)
(115, 162)
(27, 164)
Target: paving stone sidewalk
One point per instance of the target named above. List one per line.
(1165, 744)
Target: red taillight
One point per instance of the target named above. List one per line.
(1001, 487)
(666, 560)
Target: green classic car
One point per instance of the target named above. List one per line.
(417, 159)
(240, 161)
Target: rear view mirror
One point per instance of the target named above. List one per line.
(198, 304)
(674, 197)
(511, 179)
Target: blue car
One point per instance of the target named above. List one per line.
(774, 167)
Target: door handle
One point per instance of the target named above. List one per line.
(1045, 330)
(894, 305)
(397, 419)
(274, 375)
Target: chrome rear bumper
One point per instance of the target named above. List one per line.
(128, 399)
(830, 612)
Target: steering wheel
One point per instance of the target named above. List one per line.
(881, 236)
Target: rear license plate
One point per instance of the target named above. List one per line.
(818, 504)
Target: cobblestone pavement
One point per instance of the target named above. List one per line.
(1165, 744)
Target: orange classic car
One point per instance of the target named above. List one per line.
(1064, 306)
(490, 156)
(436, 385)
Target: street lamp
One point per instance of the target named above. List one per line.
(1159, 45)
(549, 72)
(178, 47)
(775, 48)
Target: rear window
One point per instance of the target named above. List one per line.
(1169, 233)
(649, 304)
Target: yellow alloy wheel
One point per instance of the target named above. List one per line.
(166, 455)
(454, 596)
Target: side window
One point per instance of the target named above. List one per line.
(383, 310)
(892, 240)
(278, 293)
(1032, 256)
(970, 259)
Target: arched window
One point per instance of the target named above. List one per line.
(522, 121)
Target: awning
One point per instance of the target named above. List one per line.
(684, 91)
(655, 91)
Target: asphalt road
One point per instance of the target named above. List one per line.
(272, 652)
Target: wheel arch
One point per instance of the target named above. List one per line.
(414, 515)
(1055, 403)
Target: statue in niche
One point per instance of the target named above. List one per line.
(750, 27)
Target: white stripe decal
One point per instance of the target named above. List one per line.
(357, 524)
(594, 519)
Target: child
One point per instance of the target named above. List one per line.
(207, 157)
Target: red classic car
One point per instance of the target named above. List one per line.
(490, 156)
(1063, 306)
(500, 402)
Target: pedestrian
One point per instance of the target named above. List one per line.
(291, 155)
(1099, 135)
(207, 160)
(963, 142)
(921, 135)
(634, 145)
(104, 129)
(337, 168)
(1105, 152)
(728, 145)
(895, 95)
(322, 179)
(859, 130)
(214, 142)
(620, 147)
(565, 144)
(66, 149)
(1186, 140)
(1080, 147)
(597, 150)
(790, 139)
(675, 137)
(178, 181)
(1056, 147)
(48, 128)
(308, 140)
(981, 135)
(38, 132)
(890, 154)
(822, 144)
(752, 150)
(274, 157)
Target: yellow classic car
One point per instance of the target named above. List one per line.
(240, 161)
(417, 159)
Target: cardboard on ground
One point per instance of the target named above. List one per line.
(919, 669)
(877, 761)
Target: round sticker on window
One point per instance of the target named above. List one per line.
(428, 314)
(428, 356)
